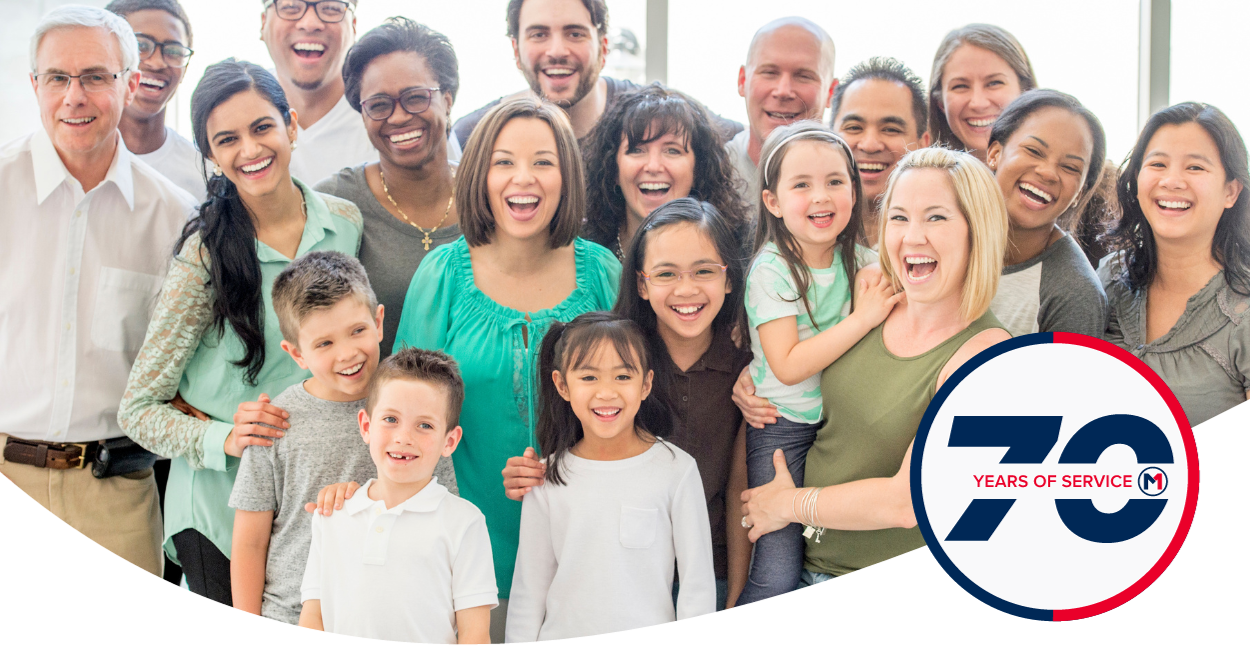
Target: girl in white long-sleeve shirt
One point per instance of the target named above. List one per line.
(600, 537)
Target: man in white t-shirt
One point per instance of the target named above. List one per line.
(164, 35)
(307, 42)
(788, 76)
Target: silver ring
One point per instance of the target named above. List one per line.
(744, 522)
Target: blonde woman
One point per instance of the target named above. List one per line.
(942, 241)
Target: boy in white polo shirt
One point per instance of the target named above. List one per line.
(404, 560)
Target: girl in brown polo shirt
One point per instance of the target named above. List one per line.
(679, 278)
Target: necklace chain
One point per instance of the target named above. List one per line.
(425, 239)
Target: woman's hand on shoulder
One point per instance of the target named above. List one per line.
(330, 499)
(256, 423)
(521, 474)
(979, 342)
(756, 411)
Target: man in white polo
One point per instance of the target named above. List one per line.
(788, 76)
(88, 230)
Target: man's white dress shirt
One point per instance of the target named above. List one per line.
(80, 274)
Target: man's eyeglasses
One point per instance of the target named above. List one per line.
(174, 53)
(92, 82)
(329, 11)
(414, 101)
(700, 274)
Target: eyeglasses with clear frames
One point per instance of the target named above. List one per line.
(92, 82)
(174, 53)
(414, 100)
(701, 274)
(329, 11)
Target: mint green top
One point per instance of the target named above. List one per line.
(444, 310)
(183, 355)
(773, 294)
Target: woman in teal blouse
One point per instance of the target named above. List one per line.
(214, 337)
(488, 298)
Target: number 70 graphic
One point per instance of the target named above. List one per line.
(1030, 439)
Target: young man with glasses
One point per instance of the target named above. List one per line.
(307, 40)
(88, 232)
(164, 35)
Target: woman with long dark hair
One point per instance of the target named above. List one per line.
(214, 338)
(651, 147)
(1178, 283)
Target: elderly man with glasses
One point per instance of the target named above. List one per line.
(164, 35)
(88, 230)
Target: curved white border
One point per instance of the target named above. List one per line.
(61, 591)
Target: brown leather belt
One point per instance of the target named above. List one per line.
(49, 455)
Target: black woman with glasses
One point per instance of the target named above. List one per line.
(402, 77)
(307, 41)
(164, 35)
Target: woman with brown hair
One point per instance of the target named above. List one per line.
(488, 298)
(977, 71)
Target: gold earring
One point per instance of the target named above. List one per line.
(216, 170)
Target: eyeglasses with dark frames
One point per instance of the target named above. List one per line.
(329, 11)
(91, 82)
(174, 53)
(701, 274)
(414, 100)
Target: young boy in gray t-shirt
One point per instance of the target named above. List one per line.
(331, 324)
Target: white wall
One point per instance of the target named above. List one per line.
(1210, 56)
(1084, 47)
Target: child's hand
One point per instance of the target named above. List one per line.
(522, 474)
(767, 508)
(871, 273)
(256, 423)
(330, 499)
(876, 300)
(755, 410)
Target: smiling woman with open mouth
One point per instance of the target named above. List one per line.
(1046, 151)
(651, 147)
(488, 298)
(1179, 284)
(214, 341)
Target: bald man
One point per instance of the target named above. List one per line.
(788, 76)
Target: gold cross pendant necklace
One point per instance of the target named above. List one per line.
(425, 239)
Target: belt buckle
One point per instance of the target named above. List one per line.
(82, 455)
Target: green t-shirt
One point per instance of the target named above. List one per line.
(773, 294)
